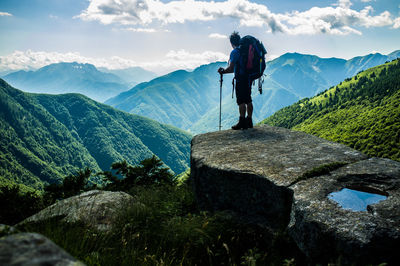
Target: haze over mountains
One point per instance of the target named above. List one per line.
(132, 75)
(46, 137)
(190, 100)
(78, 78)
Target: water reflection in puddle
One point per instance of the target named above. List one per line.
(355, 200)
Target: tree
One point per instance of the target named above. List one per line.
(71, 185)
(150, 171)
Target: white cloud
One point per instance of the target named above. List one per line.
(217, 36)
(25, 60)
(344, 3)
(173, 60)
(367, 1)
(147, 30)
(182, 59)
(5, 14)
(338, 19)
(396, 23)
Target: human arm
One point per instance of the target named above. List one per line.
(229, 69)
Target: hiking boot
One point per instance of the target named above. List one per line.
(242, 124)
(249, 122)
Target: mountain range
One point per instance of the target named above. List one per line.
(46, 137)
(362, 112)
(78, 78)
(190, 100)
(132, 75)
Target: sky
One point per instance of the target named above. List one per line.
(164, 35)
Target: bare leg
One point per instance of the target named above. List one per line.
(250, 110)
(242, 110)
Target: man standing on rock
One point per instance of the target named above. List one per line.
(243, 85)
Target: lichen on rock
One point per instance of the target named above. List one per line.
(33, 249)
(281, 178)
(96, 209)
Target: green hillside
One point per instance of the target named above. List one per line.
(190, 100)
(362, 112)
(46, 137)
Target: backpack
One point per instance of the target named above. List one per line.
(252, 57)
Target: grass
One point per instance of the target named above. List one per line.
(164, 227)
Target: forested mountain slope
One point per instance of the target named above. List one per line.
(362, 112)
(46, 137)
(180, 98)
(190, 100)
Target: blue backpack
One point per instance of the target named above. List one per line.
(252, 57)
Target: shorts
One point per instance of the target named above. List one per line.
(243, 90)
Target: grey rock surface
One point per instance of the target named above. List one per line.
(33, 249)
(326, 232)
(271, 176)
(249, 171)
(96, 209)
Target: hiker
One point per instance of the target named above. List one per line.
(243, 85)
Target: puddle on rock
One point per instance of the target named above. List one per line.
(355, 200)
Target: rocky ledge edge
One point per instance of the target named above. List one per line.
(281, 179)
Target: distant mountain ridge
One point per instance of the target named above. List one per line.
(190, 100)
(46, 137)
(69, 78)
(362, 112)
(179, 98)
(132, 75)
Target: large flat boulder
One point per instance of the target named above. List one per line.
(286, 180)
(326, 232)
(33, 249)
(250, 171)
(96, 209)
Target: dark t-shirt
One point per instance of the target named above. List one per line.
(243, 86)
(234, 58)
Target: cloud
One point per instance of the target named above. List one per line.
(5, 14)
(147, 30)
(338, 19)
(181, 59)
(396, 23)
(26, 60)
(143, 30)
(217, 36)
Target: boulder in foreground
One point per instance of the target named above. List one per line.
(96, 209)
(25, 249)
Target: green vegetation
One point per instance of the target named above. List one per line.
(362, 112)
(164, 227)
(47, 137)
(190, 100)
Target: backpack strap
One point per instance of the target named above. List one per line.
(233, 86)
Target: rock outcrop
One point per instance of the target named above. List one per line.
(96, 209)
(33, 249)
(318, 224)
(281, 179)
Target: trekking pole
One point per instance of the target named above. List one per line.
(220, 99)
